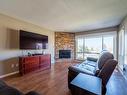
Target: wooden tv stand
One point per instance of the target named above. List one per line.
(31, 63)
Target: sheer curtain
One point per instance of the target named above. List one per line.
(125, 55)
(121, 48)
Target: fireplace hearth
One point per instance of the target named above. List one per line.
(64, 54)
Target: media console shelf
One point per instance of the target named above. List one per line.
(31, 63)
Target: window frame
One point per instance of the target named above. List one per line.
(96, 35)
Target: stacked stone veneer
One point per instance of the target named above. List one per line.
(64, 41)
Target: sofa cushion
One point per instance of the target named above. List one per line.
(92, 59)
(103, 58)
(2, 84)
(84, 68)
(32, 93)
(7, 90)
(91, 63)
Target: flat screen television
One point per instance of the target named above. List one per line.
(29, 40)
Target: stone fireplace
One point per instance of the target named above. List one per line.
(64, 45)
(64, 54)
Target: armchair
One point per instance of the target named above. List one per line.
(101, 67)
(106, 73)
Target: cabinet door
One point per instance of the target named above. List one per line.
(31, 64)
(21, 66)
(45, 61)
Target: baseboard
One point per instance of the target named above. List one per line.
(9, 74)
(122, 73)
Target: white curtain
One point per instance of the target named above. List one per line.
(121, 52)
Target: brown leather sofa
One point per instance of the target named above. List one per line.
(101, 67)
(106, 72)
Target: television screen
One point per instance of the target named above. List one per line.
(30, 40)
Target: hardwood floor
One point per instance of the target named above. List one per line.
(54, 81)
(117, 85)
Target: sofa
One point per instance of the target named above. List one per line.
(7, 90)
(101, 67)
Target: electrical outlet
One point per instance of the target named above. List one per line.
(16, 65)
(12, 65)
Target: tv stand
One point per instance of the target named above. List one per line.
(31, 63)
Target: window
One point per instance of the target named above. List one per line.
(92, 45)
(79, 56)
(80, 45)
(108, 43)
(79, 48)
(125, 49)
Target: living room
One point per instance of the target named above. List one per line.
(46, 46)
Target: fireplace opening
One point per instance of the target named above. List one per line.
(64, 53)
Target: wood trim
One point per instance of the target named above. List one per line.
(9, 74)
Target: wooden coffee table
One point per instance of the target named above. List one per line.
(84, 84)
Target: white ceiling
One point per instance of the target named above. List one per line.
(67, 15)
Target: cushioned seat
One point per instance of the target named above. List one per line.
(91, 63)
(84, 68)
(103, 68)
(7, 90)
(105, 74)
(91, 66)
(2, 84)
